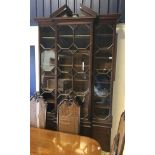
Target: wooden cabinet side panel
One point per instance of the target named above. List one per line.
(102, 135)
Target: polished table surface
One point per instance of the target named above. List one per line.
(47, 142)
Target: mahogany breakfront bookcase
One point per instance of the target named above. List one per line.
(77, 58)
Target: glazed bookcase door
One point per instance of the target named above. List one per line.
(104, 58)
(73, 46)
(103, 66)
(47, 66)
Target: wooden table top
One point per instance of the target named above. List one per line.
(47, 142)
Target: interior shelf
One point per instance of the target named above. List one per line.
(47, 90)
(45, 48)
(80, 65)
(64, 79)
(103, 71)
(102, 106)
(81, 80)
(72, 79)
(65, 65)
(49, 76)
(62, 65)
(106, 34)
(108, 82)
(48, 37)
(103, 96)
(108, 58)
(75, 36)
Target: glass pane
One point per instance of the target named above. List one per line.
(104, 41)
(82, 36)
(80, 86)
(81, 75)
(104, 29)
(65, 57)
(81, 65)
(47, 37)
(82, 42)
(65, 36)
(103, 78)
(48, 83)
(65, 30)
(47, 43)
(64, 86)
(60, 97)
(81, 58)
(65, 72)
(101, 89)
(105, 100)
(101, 64)
(103, 54)
(47, 60)
(65, 42)
(47, 31)
(65, 64)
(82, 30)
(48, 73)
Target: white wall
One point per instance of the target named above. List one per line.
(119, 83)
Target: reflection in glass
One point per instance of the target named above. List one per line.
(101, 89)
(47, 60)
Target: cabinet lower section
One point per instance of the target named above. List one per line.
(100, 133)
(85, 131)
